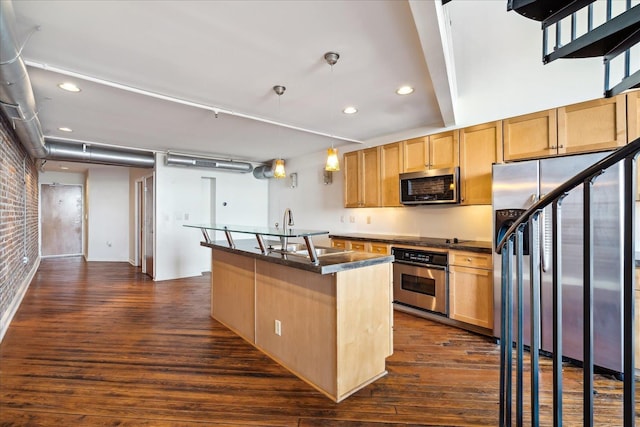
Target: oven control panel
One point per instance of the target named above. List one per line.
(420, 257)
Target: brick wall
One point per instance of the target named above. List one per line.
(18, 232)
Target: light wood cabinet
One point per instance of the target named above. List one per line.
(362, 178)
(471, 289)
(480, 147)
(531, 136)
(443, 150)
(362, 246)
(415, 154)
(592, 126)
(436, 151)
(390, 168)
(358, 246)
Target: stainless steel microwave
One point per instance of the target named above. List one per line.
(430, 187)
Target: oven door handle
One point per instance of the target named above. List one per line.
(417, 264)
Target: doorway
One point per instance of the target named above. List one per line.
(61, 219)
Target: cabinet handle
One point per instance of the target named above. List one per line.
(468, 259)
(553, 147)
(561, 146)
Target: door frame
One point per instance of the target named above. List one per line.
(142, 231)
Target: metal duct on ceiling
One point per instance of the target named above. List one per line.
(173, 159)
(85, 153)
(18, 104)
(263, 172)
(16, 96)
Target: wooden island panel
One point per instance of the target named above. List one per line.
(335, 329)
(304, 303)
(233, 292)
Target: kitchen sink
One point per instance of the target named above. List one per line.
(300, 249)
(320, 251)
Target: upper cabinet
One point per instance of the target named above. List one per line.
(362, 178)
(390, 167)
(480, 147)
(592, 126)
(531, 136)
(415, 153)
(431, 152)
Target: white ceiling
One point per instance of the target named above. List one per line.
(228, 55)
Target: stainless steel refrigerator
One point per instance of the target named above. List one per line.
(515, 187)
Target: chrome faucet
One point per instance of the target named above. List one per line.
(287, 221)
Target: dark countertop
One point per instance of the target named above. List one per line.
(328, 264)
(462, 245)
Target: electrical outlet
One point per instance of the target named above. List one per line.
(352, 219)
(341, 218)
(278, 327)
(368, 220)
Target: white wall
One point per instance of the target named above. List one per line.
(182, 197)
(107, 200)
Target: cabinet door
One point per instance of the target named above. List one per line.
(531, 136)
(443, 150)
(592, 126)
(390, 168)
(370, 176)
(351, 167)
(480, 147)
(415, 153)
(471, 295)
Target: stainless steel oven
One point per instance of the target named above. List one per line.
(420, 279)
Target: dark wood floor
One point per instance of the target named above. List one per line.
(101, 344)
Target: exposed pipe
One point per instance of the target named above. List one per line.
(16, 95)
(85, 153)
(173, 159)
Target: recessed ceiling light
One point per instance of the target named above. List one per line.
(69, 87)
(350, 110)
(64, 168)
(65, 129)
(404, 90)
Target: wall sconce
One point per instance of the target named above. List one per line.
(333, 164)
(294, 179)
(278, 170)
(327, 177)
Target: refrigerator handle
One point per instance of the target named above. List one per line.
(543, 238)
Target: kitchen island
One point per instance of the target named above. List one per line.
(329, 322)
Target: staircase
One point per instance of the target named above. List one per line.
(511, 248)
(573, 29)
(590, 28)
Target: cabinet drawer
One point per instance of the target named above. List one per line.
(342, 244)
(470, 259)
(380, 248)
(359, 246)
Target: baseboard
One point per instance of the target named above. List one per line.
(7, 316)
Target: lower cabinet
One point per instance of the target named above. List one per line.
(471, 288)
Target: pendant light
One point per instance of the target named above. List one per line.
(333, 163)
(278, 164)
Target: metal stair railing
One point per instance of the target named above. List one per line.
(514, 239)
(570, 33)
